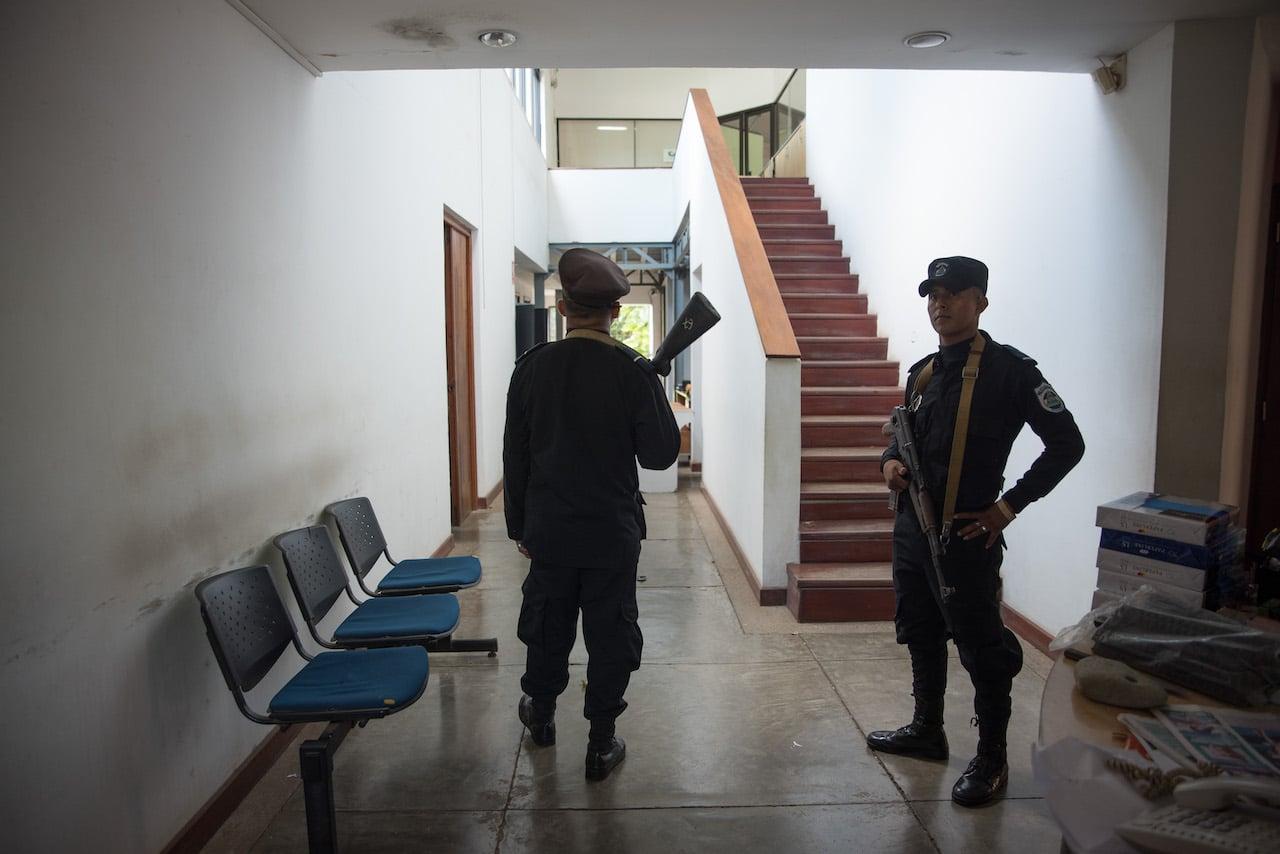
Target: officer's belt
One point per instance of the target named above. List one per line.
(969, 378)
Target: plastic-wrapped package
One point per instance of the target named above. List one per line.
(1188, 646)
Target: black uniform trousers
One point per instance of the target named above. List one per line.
(553, 595)
(988, 650)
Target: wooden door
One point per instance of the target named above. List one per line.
(460, 368)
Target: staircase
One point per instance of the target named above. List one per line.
(848, 388)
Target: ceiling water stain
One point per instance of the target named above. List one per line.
(420, 29)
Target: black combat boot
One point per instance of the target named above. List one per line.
(924, 737)
(987, 774)
(541, 725)
(603, 755)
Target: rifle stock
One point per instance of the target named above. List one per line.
(921, 501)
(698, 316)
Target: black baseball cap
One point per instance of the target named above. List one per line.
(955, 274)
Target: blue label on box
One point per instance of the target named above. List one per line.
(1183, 554)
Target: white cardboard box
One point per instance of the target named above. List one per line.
(1183, 520)
(1188, 577)
(1123, 585)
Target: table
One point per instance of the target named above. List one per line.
(667, 479)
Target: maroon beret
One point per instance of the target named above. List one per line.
(590, 279)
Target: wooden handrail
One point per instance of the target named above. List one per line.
(776, 335)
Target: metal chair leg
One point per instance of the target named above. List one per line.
(316, 758)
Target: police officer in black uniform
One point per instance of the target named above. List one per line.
(580, 413)
(1008, 392)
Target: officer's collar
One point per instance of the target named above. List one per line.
(953, 353)
(591, 334)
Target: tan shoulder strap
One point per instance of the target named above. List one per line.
(968, 380)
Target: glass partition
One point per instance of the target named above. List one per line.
(618, 143)
(791, 107)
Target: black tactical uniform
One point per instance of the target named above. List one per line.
(1008, 392)
(580, 413)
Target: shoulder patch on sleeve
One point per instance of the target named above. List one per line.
(1049, 400)
(1015, 352)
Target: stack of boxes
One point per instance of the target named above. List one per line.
(1185, 549)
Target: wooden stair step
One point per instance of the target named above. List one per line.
(799, 247)
(842, 347)
(818, 490)
(840, 592)
(849, 400)
(835, 264)
(783, 203)
(846, 529)
(798, 191)
(848, 372)
(825, 303)
(802, 231)
(838, 452)
(851, 324)
(790, 217)
(760, 179)
(841, 429)
(842, 574)
(816, 283)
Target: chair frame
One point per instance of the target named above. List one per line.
(432, 643)
(315, 754)
(360, 572)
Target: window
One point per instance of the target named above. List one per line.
(526, 85)
(634, 327)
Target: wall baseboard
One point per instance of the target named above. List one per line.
(204, 824)
(488, 500)
(444, 548)
(764, 595)
(1025, 628)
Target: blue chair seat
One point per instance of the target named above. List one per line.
(462, 571)
(355, 681)
(401, 617)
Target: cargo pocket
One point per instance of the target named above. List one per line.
(631, 639)
(530, 628)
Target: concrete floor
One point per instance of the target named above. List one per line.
(745, 733)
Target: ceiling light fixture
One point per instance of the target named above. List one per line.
(930, 38)
(612, 127)
(497, 38)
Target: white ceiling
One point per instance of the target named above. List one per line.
(1046, 35)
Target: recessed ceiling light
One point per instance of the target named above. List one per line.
(497, 38)
(931, 38)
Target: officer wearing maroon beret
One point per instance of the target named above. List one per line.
(1006, 391)
(580, 413)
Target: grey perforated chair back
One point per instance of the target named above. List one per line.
(360, 533)
(247, 624)
(314, 570)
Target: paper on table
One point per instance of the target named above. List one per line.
(1208, 738)
(1259, 730)
(1163, 746)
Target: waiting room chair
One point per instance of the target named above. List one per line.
(364, 543)
(249, 631)
(318, 580)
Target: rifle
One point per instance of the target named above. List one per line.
(698, 316)
(904, 435)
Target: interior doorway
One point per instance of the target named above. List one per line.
(460, 368)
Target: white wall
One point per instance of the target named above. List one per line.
(747, 406)
(1062, 192)
(221, 309)
(660, 93)
(606, 205)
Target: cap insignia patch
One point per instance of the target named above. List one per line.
(1049, 400)
(940, 269)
